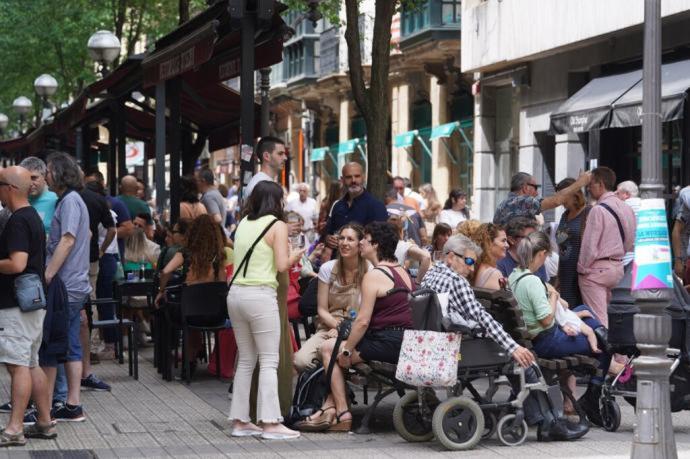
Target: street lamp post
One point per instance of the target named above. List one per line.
(104, 48)
(22, 105)
(653, 436)
(45, 86)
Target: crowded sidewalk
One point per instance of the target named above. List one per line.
(150, 418)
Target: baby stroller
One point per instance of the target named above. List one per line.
(621, 314)
(461, 421)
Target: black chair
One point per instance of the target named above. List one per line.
(203, 307)
(119, 324)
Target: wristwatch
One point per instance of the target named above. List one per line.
(346, 352)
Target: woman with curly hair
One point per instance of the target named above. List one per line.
(203, 255)
(494, 243)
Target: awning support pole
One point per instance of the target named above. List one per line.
(450, 153)
(121, 139)
(464, 137)
(112, 151)
(247, 94)
(80, 147)
(265, 104)
(424, 146)
(173, 87)
(160, 148)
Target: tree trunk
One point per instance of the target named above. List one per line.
(183, 8)
(373, 102)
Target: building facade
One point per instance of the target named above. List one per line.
(558, 90)
(431, 103)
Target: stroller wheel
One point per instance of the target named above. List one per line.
(610, 415)
(490, 425)
(509, 432)
(412, 422)
(458, 423)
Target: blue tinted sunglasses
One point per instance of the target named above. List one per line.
(468, 261)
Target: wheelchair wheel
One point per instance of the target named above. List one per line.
(490, 425)
(610, 415)
(509, 432)
(411, 423)
(458, 423)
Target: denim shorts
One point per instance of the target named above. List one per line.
(73, 341)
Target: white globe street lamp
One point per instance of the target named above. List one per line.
(22, 105)
(4, 121)
(104, 47)
(45, 85)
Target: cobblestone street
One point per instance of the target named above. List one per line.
(151, 418)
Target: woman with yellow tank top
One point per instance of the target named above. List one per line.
(253, 310)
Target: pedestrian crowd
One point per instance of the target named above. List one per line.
(355, 256)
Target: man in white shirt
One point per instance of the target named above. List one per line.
(306, 207)
(270, 151)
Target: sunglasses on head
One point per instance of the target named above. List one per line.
(468, 260)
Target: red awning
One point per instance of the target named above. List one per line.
(210, 43)
(187, 54)
(124, 70)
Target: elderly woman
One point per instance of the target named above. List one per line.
(377, 332)
(339, 292)
(494, 243)
(569, 238)
(539, 302)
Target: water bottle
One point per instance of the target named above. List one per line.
(142, 272)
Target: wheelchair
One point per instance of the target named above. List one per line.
(468, 416)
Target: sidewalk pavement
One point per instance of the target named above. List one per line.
(152, 418)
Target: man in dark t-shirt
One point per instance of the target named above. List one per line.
(22, 252)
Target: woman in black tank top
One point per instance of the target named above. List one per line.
(377, 331)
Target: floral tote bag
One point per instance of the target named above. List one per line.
(428, 358)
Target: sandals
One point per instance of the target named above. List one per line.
(38, 431)
(7, 439)
(311, 424)
(339, 425)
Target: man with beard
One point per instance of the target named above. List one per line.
(357, 206)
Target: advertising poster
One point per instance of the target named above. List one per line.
(652, 264)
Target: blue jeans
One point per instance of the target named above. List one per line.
(73, 329)
(60, 391)
(554, 343)
(104, 289)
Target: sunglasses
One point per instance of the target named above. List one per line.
(468, 261)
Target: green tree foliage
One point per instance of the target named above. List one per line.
(50, 36)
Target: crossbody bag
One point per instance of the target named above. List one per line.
(245, 261)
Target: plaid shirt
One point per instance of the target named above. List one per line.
(462, 303)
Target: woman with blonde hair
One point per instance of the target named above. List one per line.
(468, 228)
(432, 206)
(494, 243)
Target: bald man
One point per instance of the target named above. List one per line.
(22, 253)
(128, 195)
(357, 206)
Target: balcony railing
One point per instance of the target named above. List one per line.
(438, 15)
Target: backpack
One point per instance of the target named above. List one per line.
(314, 385)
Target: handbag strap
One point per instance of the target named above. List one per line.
(245, 261)
(618, 220)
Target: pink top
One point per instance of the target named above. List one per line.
(601, 240)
